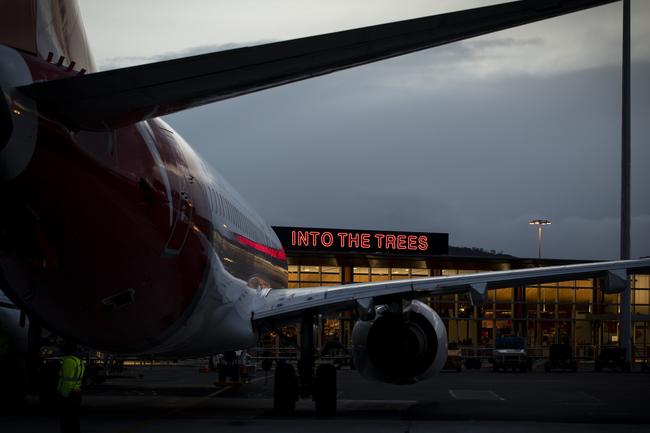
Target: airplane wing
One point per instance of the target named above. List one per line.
(118, 97)
(288, 304)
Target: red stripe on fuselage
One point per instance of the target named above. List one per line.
(271, 252)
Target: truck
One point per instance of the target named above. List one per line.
(510, 353)
(612, 358)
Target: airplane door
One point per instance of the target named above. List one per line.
(179, 181)
(183, 218)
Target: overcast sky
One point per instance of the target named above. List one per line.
(473, 138)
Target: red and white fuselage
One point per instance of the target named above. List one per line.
(124, 239)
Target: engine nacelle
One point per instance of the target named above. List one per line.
(400, 348)
(6, 123)
(18, 117)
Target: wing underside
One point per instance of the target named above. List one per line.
(118, 97)
(288, 304)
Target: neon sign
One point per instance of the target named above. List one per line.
(362, 241)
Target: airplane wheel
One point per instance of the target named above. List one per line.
(14, 382)
(285, 389)
(47, 386)
(325, 390)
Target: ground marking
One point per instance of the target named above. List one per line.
(474, 394)
(141, 425)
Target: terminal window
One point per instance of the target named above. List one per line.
(314, 276)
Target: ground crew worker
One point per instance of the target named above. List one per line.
(69, 389)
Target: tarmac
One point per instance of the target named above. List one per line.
(185, 399)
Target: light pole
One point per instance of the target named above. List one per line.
(625, 321)
(539, 224)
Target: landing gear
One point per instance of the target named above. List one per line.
(23, 371)
(13, 371)
(48, 379)
(14, 378)
(325, 389)
(285, 389)
(319, 383)
(43, 375)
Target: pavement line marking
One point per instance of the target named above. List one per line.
(496, 395)
(474, 394)
(150, 421)
(591, 397)
(147, 423)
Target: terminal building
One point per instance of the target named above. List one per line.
(573, 312)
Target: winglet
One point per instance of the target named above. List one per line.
(615, 281)
(366, 308)
(477, 293)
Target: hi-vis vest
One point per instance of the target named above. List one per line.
(70, 375)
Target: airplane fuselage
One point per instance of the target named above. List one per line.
(116, 236)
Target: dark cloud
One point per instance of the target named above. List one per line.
(471, 138)
(123, 61)
(376, 147)
(505, 42)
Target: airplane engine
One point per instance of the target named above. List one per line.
(6, 123)
(400, 347)
(18, 118)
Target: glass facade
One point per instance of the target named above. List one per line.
(573, 312)
(365, 275)
(314, 276)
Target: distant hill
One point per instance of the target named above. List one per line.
(477, 252)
